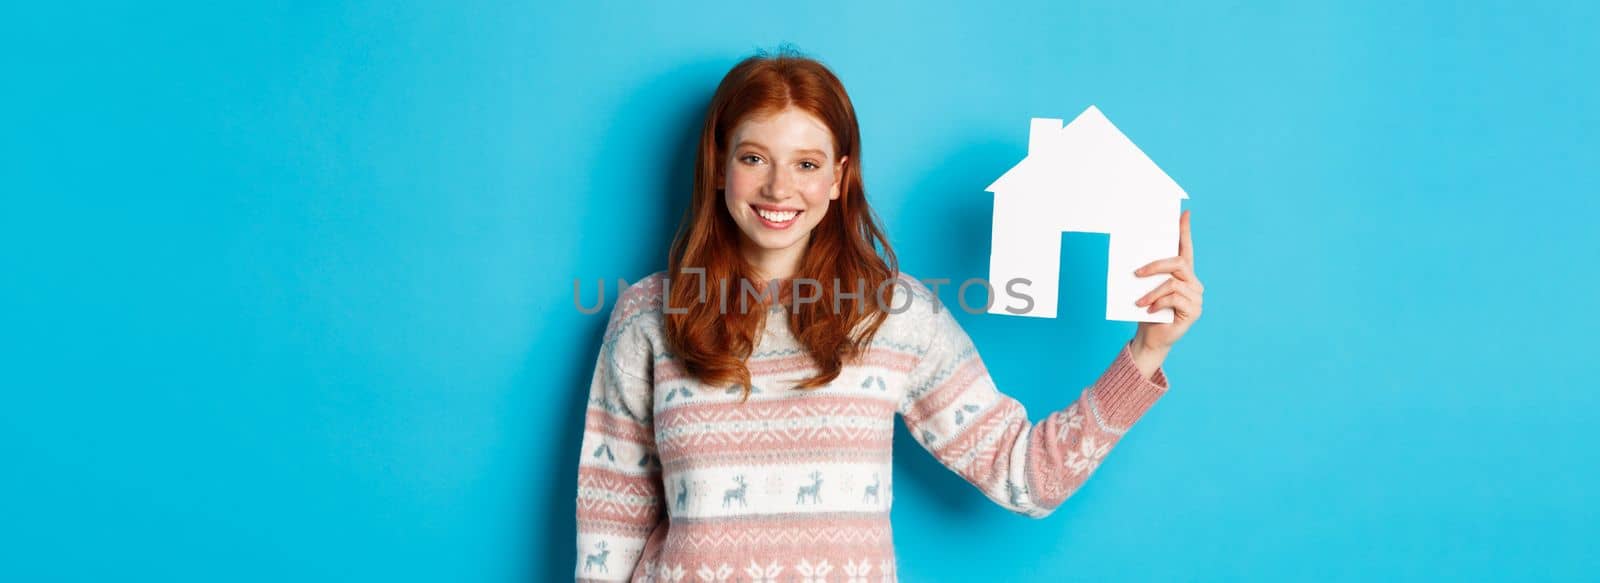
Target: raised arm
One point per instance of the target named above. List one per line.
(619, 474)
(954, 410)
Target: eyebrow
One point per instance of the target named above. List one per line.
(812, 151)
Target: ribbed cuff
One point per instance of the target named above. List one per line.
(1123, 395)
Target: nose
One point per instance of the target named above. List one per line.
(781, 184)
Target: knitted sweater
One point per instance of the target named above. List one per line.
(678, 481)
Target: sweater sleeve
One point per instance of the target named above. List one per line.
(954, 410)
(619, 498)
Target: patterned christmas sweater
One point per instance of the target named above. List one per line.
(679, 481)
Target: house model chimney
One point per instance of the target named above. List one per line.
(1042, 133)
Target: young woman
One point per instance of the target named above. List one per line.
(754, 444)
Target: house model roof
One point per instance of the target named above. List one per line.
(1085, 157)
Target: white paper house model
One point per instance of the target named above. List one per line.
(1084, 177)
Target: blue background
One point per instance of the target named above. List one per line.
(289, 286)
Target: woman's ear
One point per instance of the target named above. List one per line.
(838, 176)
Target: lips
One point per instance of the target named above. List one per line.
(776, 217)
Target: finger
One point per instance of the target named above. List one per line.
(1163, 302)
(1160, 290)
(1177, 266)
(1179, 288)
(1185, 242)
(1181, 304)
(1191, 297)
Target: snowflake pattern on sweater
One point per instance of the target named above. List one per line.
(679, 481)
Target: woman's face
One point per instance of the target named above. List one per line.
(780, 176)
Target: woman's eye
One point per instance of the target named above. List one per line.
(809, 164)
(750, 158)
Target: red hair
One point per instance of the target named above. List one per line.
(714, 343)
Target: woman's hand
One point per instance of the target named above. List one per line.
(1182, 292)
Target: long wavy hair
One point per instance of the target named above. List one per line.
(714, 343)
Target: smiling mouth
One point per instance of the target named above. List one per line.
(778, 217)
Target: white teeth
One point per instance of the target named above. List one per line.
(782, 217)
